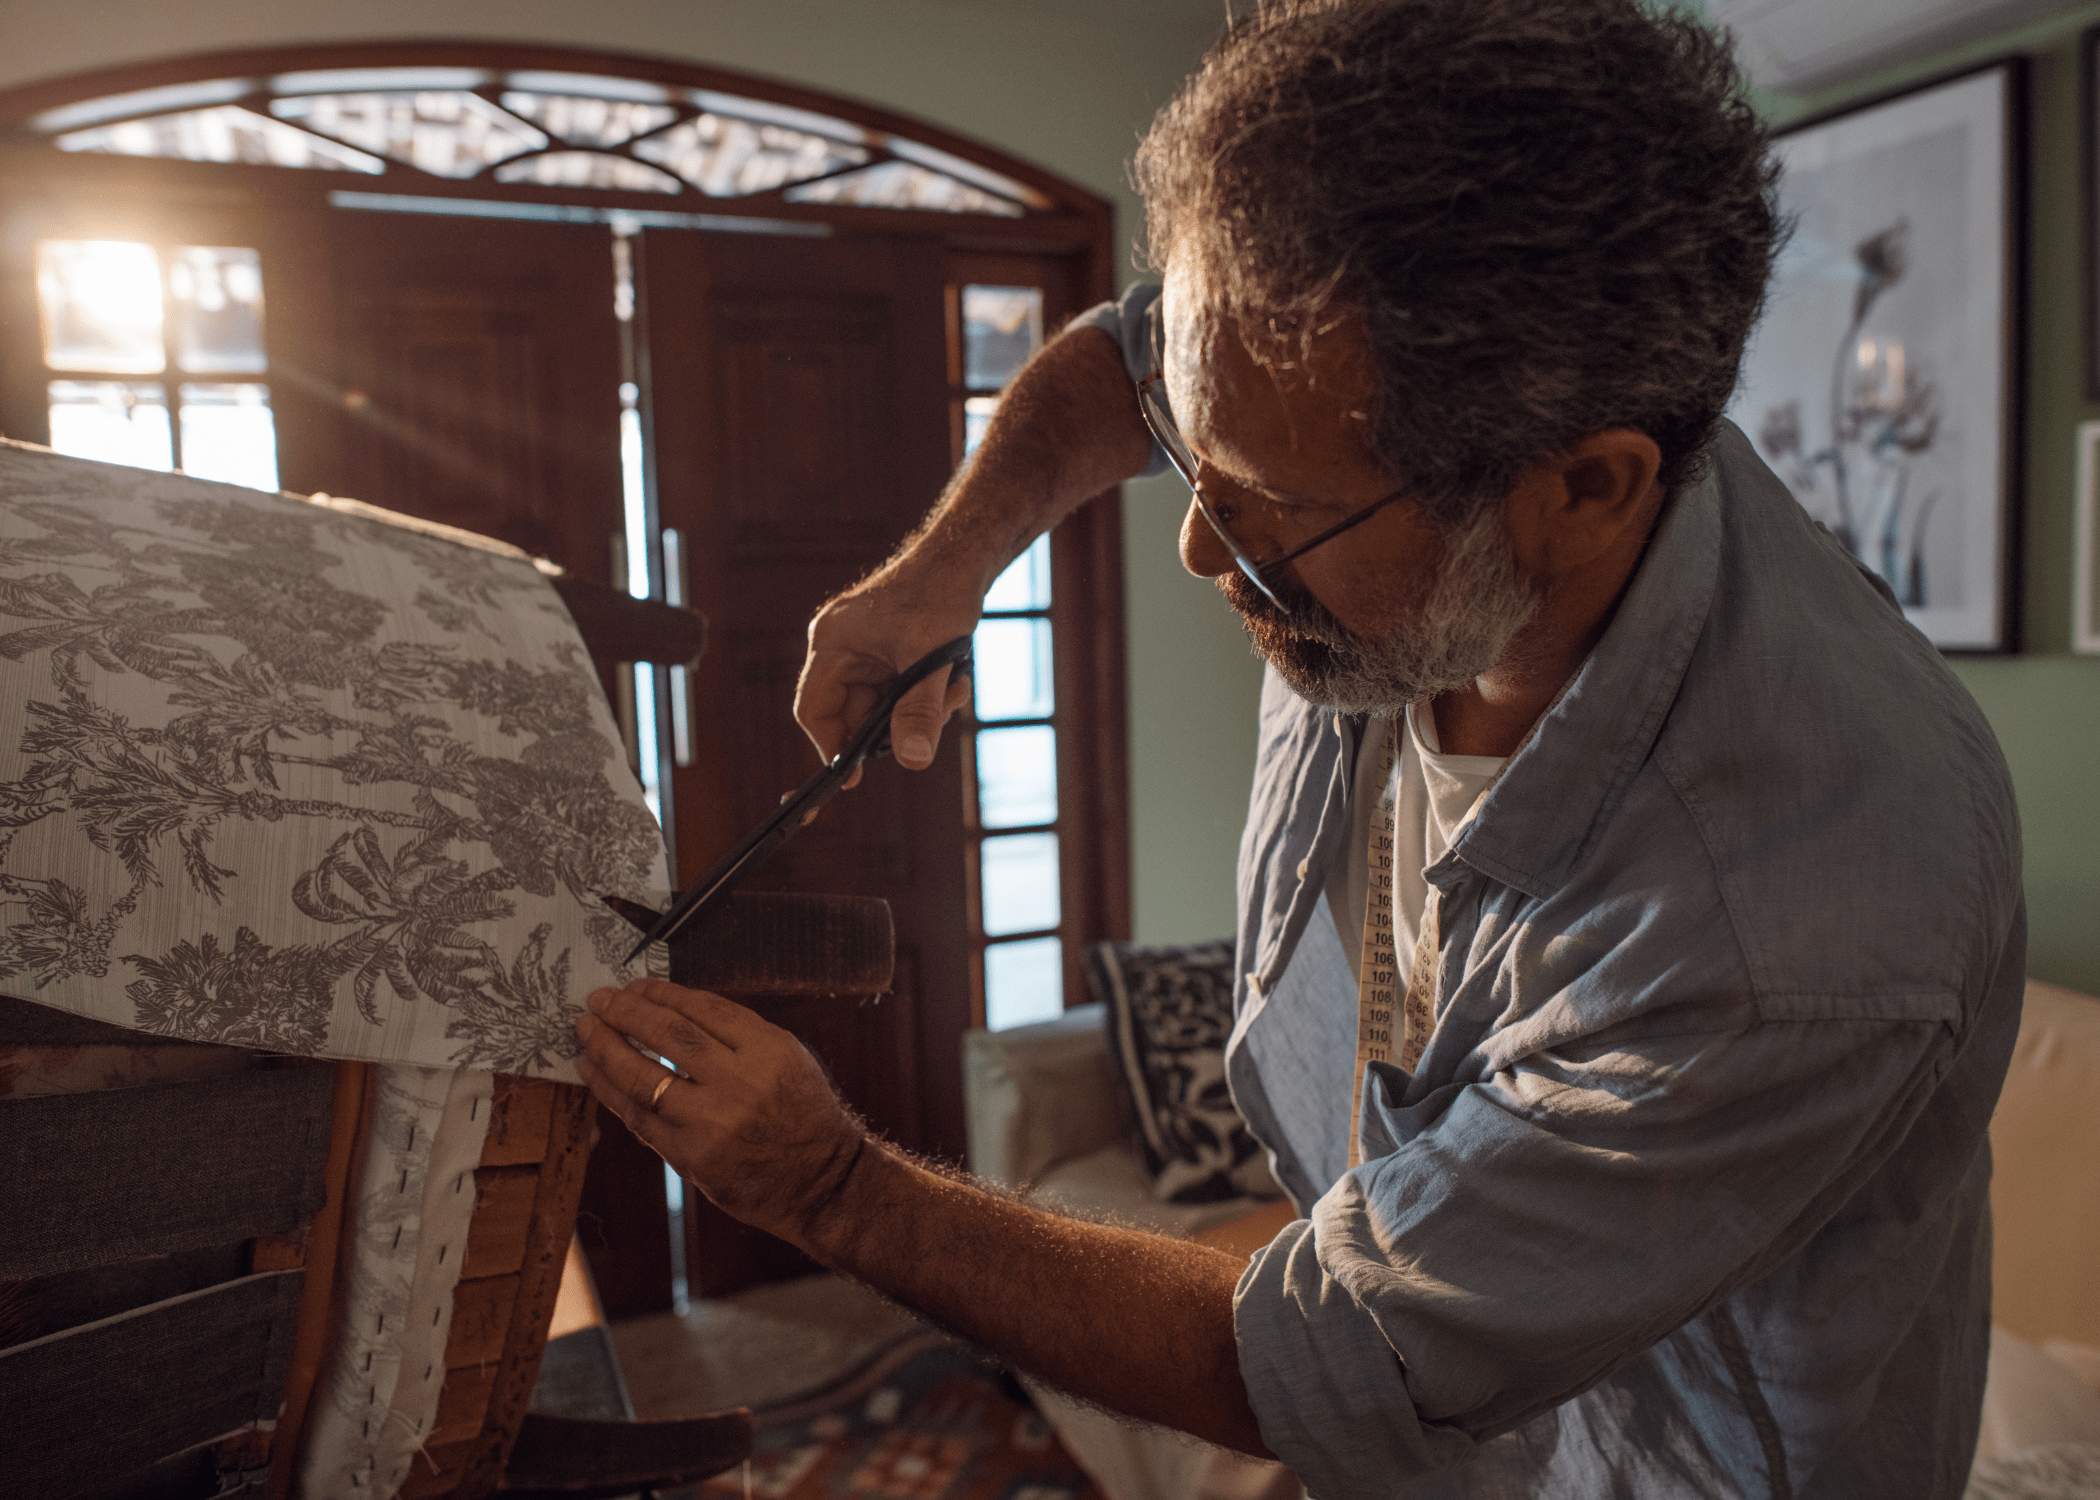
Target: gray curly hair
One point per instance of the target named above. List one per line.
(1553, 216)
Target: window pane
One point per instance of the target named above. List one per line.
(1020, 883)
(1026, 582)
(218, 310)
(977, 416)
(899, 184)
(446, 132)
(142, 102)
(587, 169)
(727, 158)
(228, 434)
(228, 133)
(115, 421)
(585, 121)
(1023, 983)
(101, 307)
(1016, 776)
(1002, 326)
(1012, 668)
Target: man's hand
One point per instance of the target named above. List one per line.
(753, 1123)
(1066, 429)
(860, 640)
(1139, 1323)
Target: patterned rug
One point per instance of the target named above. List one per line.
(922, 1419)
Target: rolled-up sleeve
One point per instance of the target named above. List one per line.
(1129, 321)
(1535, 1229)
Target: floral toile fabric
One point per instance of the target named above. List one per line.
(280, 774)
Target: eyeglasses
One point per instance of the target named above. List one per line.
(1152, 406)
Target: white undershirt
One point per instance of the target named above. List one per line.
(1435, 793)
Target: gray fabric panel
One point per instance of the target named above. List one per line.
(93, 1179)
(91, 1405)
(52, 1304)
(23, 1023)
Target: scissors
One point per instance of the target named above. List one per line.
(869, 741)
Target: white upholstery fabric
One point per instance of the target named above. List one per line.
(1042, 1094)
(303, 776)
(1111, 1183)
(1048, 1112)
(375, 1403)
(2031, 1400)
(2045, 1138)
(283, 775)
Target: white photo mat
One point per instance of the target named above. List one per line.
(1879, 383)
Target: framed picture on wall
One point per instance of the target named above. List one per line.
(2089, 199)
(1884, 382)
(2085, 583)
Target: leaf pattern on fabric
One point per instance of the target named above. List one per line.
(287, 776)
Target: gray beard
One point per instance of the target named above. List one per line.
(1474, 612)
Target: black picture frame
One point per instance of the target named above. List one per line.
(2089, 204)
(1905, 432)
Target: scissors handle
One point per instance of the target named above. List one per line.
(871, 739)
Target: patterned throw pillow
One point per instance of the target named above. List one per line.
(1169, 1013)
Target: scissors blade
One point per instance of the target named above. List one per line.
(871, 739)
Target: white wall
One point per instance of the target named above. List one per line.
(1069, 84)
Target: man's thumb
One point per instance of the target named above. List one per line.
(915, 726)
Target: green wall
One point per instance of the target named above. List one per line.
(2045, 702)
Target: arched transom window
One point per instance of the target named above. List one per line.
(532, 126)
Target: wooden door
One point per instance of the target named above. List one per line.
(475, 380)
(797, 397)
(469, 372)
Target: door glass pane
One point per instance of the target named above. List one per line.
(1012, 669)
(977, 417)
(218, 294)
(1017, 776)
(1026, 582)
(228, 434)
(1020, 883)
(446, 132)
(1023, 982)
(113, 420)
(1002, 325)
(101, 307)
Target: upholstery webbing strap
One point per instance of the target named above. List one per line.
(93, 1179)
(97, 1402)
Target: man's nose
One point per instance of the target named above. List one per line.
(1202, 553)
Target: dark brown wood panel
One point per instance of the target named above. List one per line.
(797, 393)
(478, 377)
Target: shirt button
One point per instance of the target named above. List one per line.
(1304, 865)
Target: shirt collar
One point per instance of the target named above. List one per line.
(1540, 819)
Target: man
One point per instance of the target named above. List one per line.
(1630, 926)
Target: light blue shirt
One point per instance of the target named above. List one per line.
(1687, 1196)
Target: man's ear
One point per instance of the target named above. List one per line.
(1569, 510)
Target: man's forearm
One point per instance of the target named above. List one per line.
(1066, 429)
(1137, 1322)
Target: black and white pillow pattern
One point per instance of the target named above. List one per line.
(1169, 1013)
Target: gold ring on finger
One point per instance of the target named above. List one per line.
(662, 1084)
